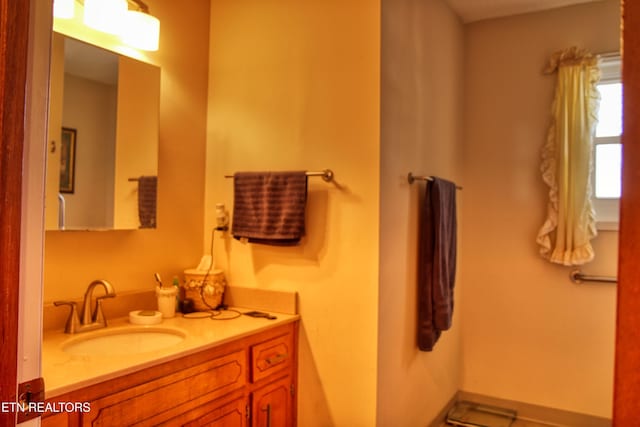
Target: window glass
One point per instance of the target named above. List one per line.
(607, 148)
(608, 161)
(610, 113)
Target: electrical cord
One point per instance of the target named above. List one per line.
(214, 314)
(206, 276)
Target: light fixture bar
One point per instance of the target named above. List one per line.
(142, 6)
(141, 30)
(105, 15)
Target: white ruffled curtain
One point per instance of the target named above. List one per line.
(567, 159)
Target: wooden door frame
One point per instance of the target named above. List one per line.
(14, 35)
(627, 368)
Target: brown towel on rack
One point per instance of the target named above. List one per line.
(436, 262)
(269, 207)
(147, 192)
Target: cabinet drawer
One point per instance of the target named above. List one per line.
(271, 356)
(166, 397)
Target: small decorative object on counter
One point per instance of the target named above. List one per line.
(205, 288)
(186, 306)
(167, 300)
(176, 285)
(145, 317)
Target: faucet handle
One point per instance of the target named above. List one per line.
(72, 321)
(64, 302)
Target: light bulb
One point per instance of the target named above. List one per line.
(141, 30)
(64, 9)
(105, 15)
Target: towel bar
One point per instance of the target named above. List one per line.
(411, 178)
(577, 277)
(326, 175)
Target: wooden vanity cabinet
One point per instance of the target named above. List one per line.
(248, 382)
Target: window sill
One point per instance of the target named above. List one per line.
(607, 225)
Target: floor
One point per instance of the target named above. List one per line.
(520, 423)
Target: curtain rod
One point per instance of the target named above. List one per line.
(612, 54)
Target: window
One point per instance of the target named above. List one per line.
(607, 147)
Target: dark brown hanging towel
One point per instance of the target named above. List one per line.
(436, 261)
(269, 207)
(147, 196)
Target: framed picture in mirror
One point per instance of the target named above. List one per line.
(67, 160)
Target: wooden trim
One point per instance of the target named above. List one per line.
(14, 33)
(627, 365)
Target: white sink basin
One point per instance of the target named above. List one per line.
(123, 341)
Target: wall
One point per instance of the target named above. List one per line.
(295, 85)
(136, 135)
(129, 258)
(54, 124)
(529, 333)
(422, 77)
(89, 107)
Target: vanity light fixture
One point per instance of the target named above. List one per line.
(64, 9)
(105, 15)
(136, 27)
(141, 30)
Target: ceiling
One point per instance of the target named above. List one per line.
(476, 10)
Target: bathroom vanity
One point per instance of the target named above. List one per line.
(240, 372)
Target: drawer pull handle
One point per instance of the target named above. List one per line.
(276, 359)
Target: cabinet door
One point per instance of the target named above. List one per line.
(232, 414)
(272, 405)
(57, 420)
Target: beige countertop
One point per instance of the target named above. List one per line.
(64, 372)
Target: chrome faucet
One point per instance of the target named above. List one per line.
(88, 321)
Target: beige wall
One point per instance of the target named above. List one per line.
(529, 334)
(422, 78)
(56, 91)
(295, 85)
(136, 136)
(89, 107)
(129, 258)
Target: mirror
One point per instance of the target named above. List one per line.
(103, 129)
